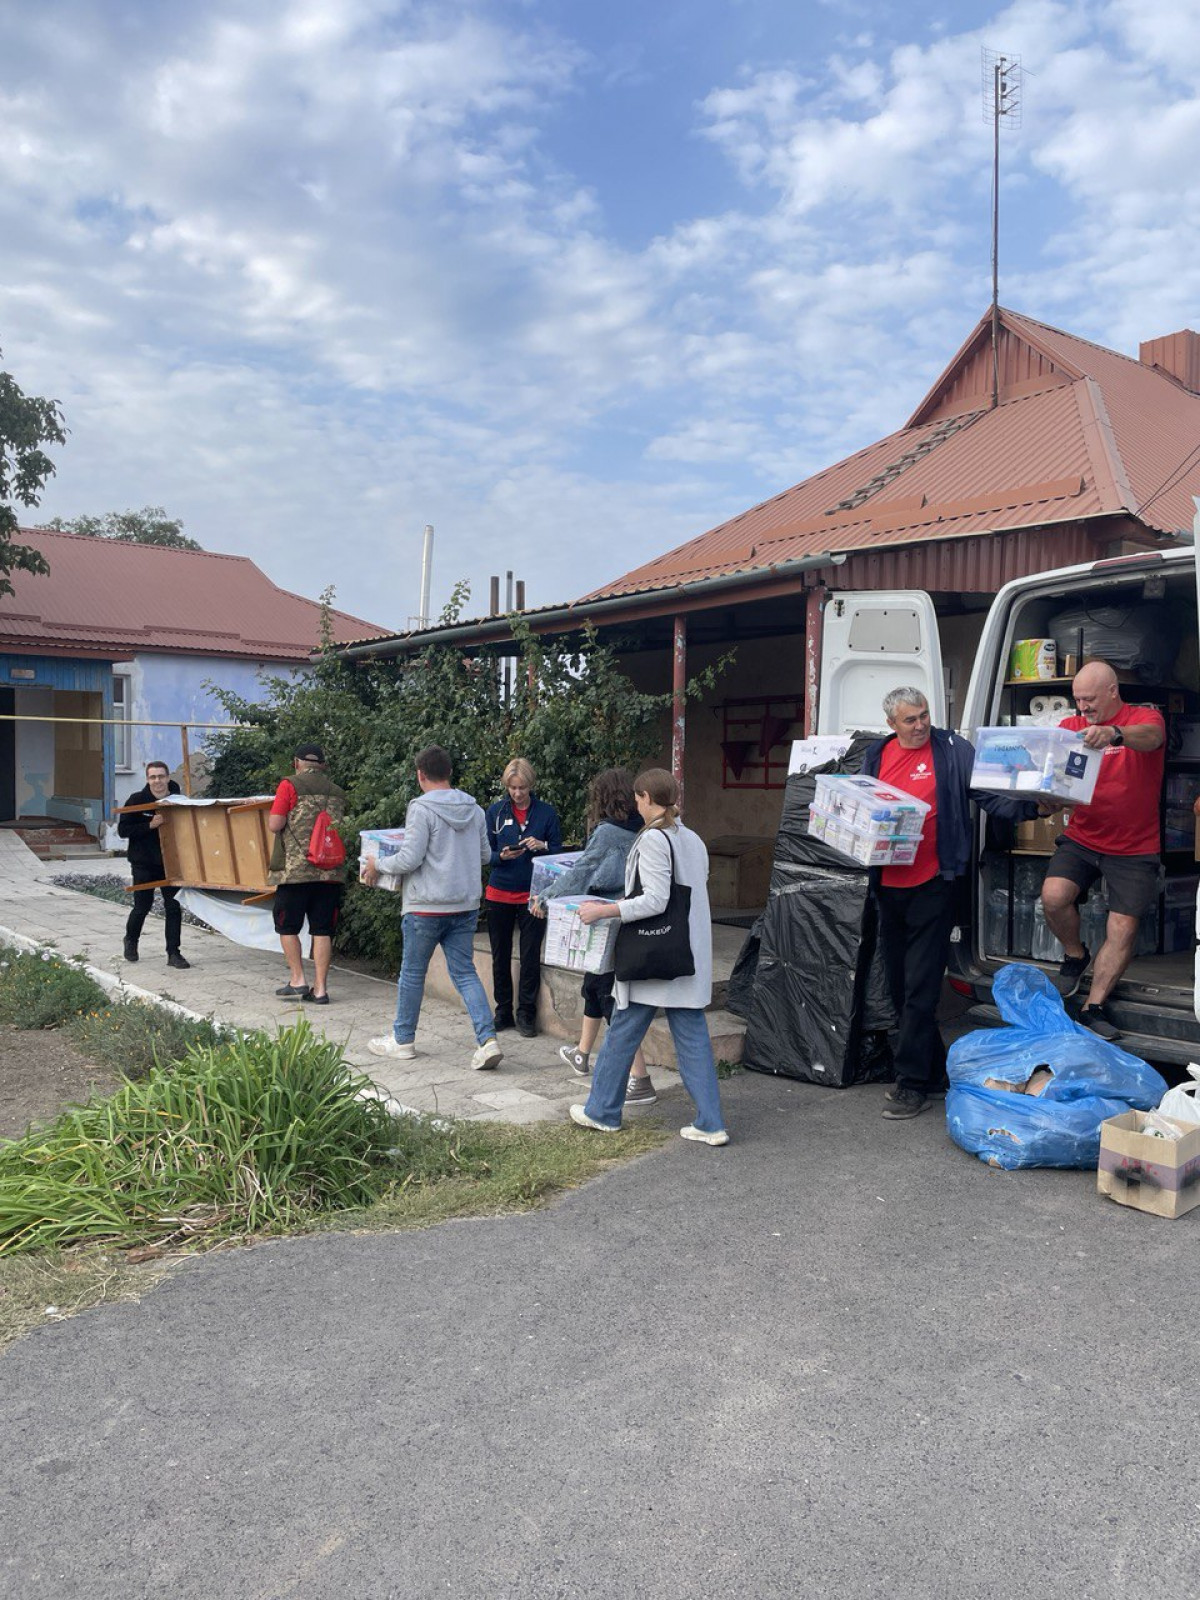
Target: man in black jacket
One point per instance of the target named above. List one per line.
(918, 903)
(146, 863)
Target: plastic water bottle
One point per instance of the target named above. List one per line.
(1027, 885)
(1045, 947)
(996, 922)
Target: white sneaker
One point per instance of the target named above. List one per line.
(693, 1132)
(488, 1055)
(581, 1119)
(386, 1046)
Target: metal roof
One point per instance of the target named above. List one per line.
(103, 596)
(1080, 433)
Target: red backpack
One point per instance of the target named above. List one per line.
(325, 847)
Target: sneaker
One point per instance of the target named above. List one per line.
(581, 1120)
(386, 1045)
(575, 1058)
(1098, 1020)
(294, 991)
(937, 1091)
(698, 1136)
(904, 1103)
(131, 950)
(1070, 973)
(526, 1028)
(174, 959)
(488, 1055)
(640, 1092)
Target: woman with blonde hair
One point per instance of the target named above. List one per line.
(518, 827)
(664, 850)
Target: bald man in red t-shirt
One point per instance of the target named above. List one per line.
(1116, 838)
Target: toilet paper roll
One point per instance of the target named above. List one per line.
(1039, 705)
(1058, 705)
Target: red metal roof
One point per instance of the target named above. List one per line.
(109, 597)
(1080, 433)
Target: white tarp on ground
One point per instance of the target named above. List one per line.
(250, 926)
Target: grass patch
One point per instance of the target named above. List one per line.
(729, 1069)
(36, 1290)
(480, 1169)
(133, 1037)
(38, 989)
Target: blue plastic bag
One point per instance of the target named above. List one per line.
(1093, 1080)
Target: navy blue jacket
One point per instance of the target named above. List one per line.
(504, 831)
(953, 759)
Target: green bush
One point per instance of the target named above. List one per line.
(249, 1135)
(133, 1036)
(572, 711)
(38, 989)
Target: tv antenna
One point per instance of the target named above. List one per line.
(1002, 85)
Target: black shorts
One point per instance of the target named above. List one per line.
(598, 995)
(1131, 882)
(319, 902)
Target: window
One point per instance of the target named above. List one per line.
(122, 732)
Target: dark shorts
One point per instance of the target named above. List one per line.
(319, 902)
(1131, 882)
(598, 995)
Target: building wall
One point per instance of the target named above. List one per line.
(762, 667)
(173, 689)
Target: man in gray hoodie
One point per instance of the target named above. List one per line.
(441, 860)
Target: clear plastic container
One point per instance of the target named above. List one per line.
(547, 868)
(1043, 763)
(871, 807)
(995, 925)
(1044, 946)
(860, 844)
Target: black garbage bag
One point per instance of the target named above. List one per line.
(820, 1008)
(1142, 637)
(739, 996)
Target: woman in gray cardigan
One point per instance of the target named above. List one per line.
(683, 999)
(613, 824)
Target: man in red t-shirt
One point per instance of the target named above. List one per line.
(1116, 838)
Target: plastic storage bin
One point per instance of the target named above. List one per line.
(569, 943)
(547, 868)
(867, 820)
(378, 844)
(1043, 763)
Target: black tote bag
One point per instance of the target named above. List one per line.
(657, 948)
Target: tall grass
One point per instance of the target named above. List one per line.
(38, 989)
(240, 1137)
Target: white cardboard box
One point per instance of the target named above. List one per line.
(571, 945)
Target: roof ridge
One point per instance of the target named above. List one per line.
(108, 540)
(1078, 338)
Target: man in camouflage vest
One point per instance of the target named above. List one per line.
(302, 889)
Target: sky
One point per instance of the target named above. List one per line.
(571, 281)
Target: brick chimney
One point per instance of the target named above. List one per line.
(1177, 354)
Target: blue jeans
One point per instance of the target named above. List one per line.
(693, 1049)
(455, 932)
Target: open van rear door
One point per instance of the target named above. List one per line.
(873, 642)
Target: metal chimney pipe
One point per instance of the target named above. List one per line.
(426, 573)
(494, 596)
(520, 594)
(508, 593)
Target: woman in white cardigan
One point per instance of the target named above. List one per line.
(683, 999)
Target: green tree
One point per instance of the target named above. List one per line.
(150, 525)
(571, 711)
(26, 424)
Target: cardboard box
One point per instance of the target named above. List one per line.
(1161, 1176)
(571, 945)
(739, 870)
(1040, 836)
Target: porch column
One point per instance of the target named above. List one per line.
(679, 704)
(814, 636)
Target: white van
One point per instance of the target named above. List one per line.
(874, 642)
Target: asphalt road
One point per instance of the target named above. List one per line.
(839, 1358)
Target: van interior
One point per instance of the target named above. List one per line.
(1145, 622)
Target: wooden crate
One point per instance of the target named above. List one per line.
(222, 844)
(739, 871)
